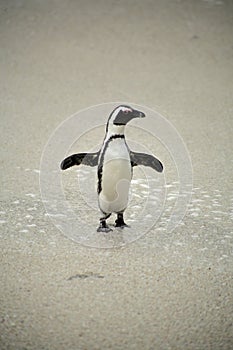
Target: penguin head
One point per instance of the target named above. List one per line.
(121, 115)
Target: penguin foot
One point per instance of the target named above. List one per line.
(103, 227)
(122, 225)
(120, 221)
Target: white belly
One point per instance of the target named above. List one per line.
(116, 177)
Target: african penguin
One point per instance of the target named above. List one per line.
(115, 162)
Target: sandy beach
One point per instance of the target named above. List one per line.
(166, 290)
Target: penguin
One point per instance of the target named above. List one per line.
(115, 162)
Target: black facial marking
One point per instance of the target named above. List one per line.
(122, 106)
(123, 117)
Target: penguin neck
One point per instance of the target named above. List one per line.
(115, 130)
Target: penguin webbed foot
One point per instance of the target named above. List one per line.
(103, 227)
(120, 221)
(121, 225)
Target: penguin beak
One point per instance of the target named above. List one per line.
(138, 114)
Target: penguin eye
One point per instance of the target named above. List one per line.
(126, 111)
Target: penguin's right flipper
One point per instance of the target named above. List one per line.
(146, 160)
(90, 159)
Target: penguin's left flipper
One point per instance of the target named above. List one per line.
(146, 160)
(90, 159)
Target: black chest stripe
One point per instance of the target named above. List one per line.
(100, 166)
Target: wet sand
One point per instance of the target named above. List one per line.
(165, 290)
